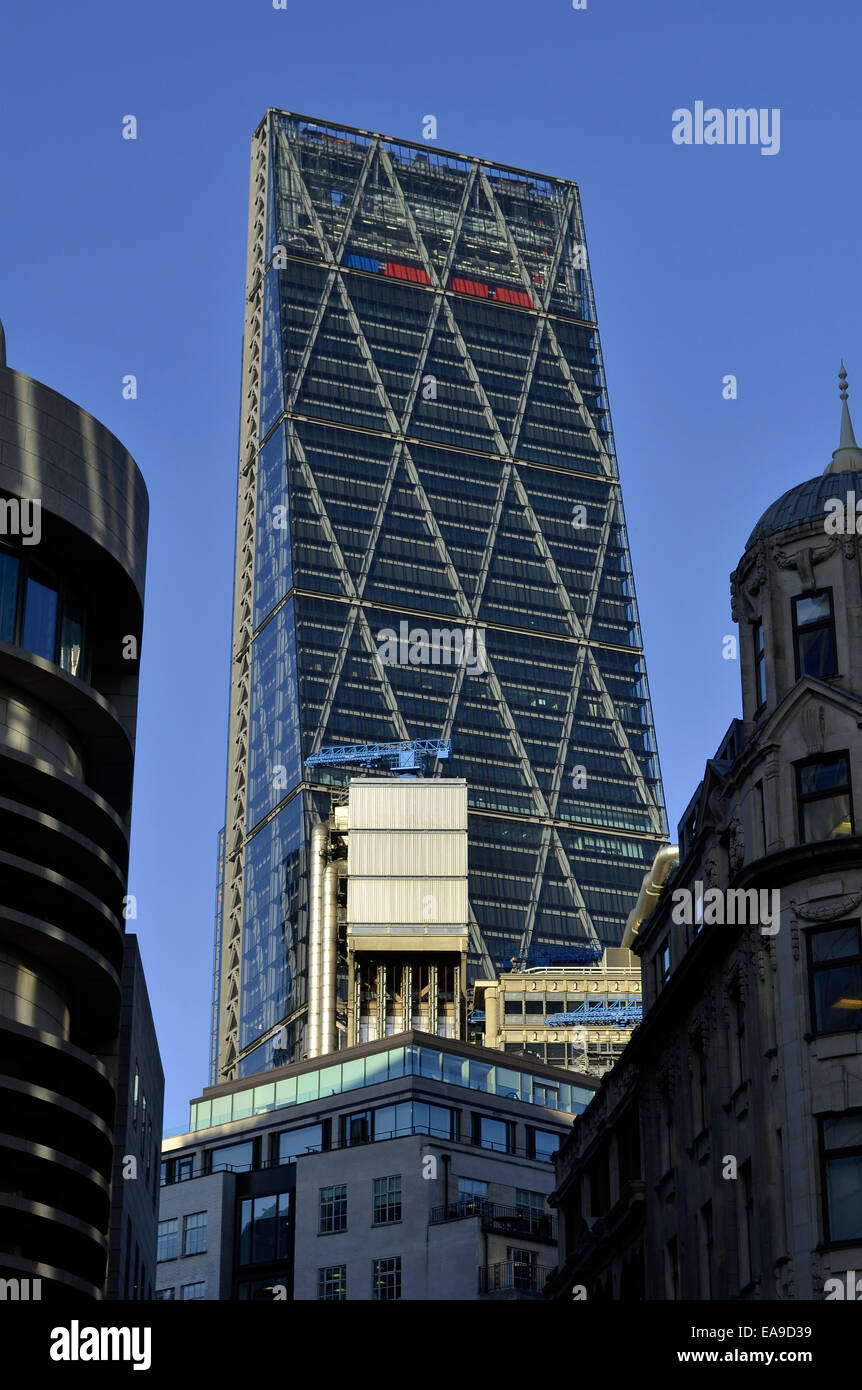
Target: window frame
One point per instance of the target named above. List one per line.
(186, 1229)
(209, 1155)
(167, 1221)
(804, 799)
(492, 1147)
(336, 1214)
(826, 1156)
(816, 968)
(68, 600)
(532, 1131)
(387, 1201)
(798, 629)
(193, 1284)
(377, 1272)
(322, 1274)
(284, 1205)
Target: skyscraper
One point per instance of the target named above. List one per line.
(430, 544)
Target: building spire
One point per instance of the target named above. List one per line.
(848, 455)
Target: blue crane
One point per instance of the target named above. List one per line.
(619, 1014)
(407, 756)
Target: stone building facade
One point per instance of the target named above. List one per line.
(746, 1073)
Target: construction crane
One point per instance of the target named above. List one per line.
(407, 757)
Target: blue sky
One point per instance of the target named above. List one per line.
(129, 257)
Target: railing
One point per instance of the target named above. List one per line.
(513, 1276)
(515, 1221)
(512, 1221)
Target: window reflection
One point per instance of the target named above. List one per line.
(8, 595)
(397, 1062)
(39, 632)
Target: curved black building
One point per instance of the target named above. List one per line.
(73, 531)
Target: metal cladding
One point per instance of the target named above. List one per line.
(329, 959)
(407, 865)
(70, 601)
(319, 845)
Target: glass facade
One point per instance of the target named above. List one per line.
(394, 1063)
(435, 449)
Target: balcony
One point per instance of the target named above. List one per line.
(499, 1220)
(514, 1279)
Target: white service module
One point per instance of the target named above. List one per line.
(407, 864)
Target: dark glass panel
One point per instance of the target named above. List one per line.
(39, 632)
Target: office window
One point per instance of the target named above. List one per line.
(177, 1169)
(386, 1279)
(136, 1097)
(8, 595)
(165, 1295)
(513, 1006)
(196, 1290)
(185, 1168)
(264, 1229)
(530, 1204)
(824, 798)
(759, 666)
(835, 972)
(231, 1158)
(841, 1158)
(542, 1143)
(39, 631)
(333, 1209)
(356, 1128)
(814, 635)
(471, 1194)
(387, 1200)
(195, 1233)
(332, 1283)
(168, 1241)
(498, 1135)
(393, 1120)
(521, 1268)
(291, 1142)
(544, 1094)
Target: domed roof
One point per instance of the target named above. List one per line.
(806, 502)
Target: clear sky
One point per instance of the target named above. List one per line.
(124, 256)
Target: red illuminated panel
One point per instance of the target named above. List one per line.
(476, 287)
(406, 272)
(513, 297)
